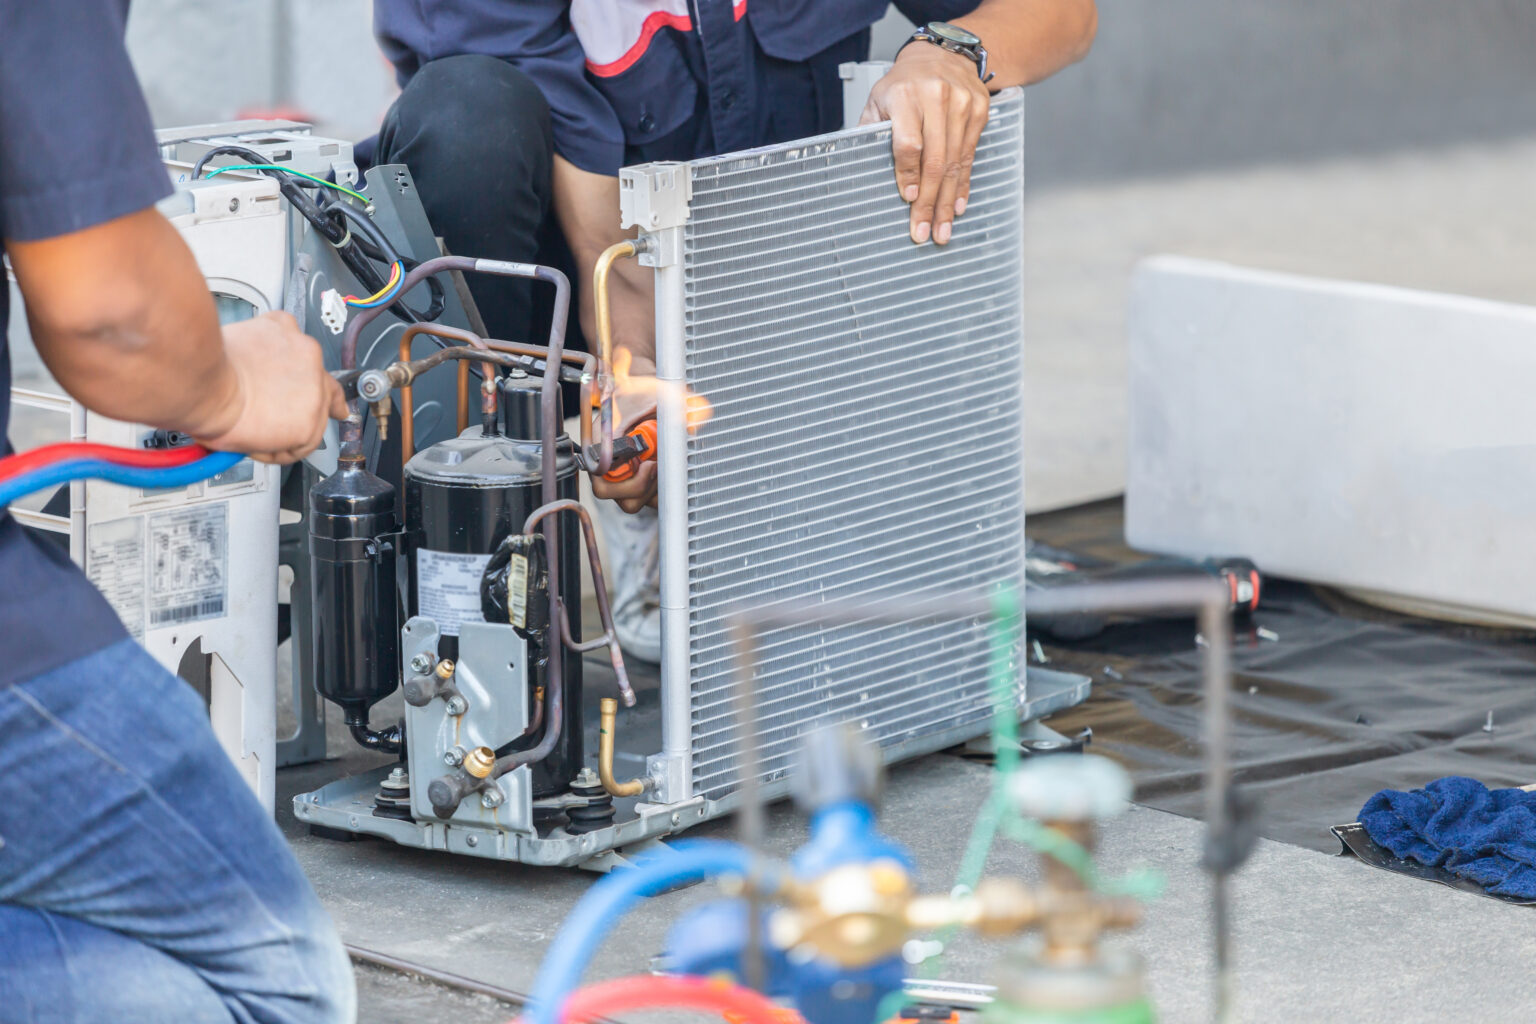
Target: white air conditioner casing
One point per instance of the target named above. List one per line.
(192, 572)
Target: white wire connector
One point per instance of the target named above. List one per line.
(333, 310)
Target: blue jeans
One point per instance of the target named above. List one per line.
(140, 879)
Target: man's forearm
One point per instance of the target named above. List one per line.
(123, 319)
(587, 206)
(1028, 40)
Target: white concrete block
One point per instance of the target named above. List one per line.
(1350, 434)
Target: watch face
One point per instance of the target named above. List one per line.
(953, 33)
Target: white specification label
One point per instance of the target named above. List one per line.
(189, 564)
(114, 560)
(448, 588)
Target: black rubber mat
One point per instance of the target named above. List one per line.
(1333, 700)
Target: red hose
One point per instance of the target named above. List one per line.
(674, 992)
(147, 458)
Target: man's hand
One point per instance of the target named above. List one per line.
(123, 318)
(635, 396)
(278, 396)
(937, 106)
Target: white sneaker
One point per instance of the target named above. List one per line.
(631, 562)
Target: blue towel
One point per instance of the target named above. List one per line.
(1485, 835)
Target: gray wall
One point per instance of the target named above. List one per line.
(1172, 85)
(1179, 85)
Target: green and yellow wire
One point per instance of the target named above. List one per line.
(290, 170)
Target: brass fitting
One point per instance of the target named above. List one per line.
(853, 915)
(480, 761)
(381, 411)
(608, 715)
(445, 669)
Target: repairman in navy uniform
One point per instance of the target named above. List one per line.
(140, 878)
(516, 116)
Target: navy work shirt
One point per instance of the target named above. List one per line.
(76, 150)
(630, 80)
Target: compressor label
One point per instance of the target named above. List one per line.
(114, 561)
(189, 564)
(448, 588)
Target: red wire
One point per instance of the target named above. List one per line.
(681, 992)
(147, 458)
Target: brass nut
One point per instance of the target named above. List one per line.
(445, 669)
(480, 761)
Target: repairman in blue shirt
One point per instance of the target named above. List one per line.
(516, 115)
(140, 878)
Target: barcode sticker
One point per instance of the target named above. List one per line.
(188, 564)
(517, 590)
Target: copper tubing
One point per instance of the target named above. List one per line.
(549, 395)
(609, 638)
(352, 429)
(609, 713)
(604, 309)
(408, 409)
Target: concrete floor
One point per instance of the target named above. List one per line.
(1311, 931)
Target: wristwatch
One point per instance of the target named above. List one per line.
(956, 40)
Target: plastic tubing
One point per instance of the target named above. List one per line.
(682, 992)
(687, 862)
(145, 458)
(57, 473)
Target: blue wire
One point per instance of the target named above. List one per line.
(684, 863)
(129, 476)
(387, 297)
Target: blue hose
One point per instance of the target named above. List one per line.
(684, 863)
(129, 476)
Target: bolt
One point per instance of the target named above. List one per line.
(352, 821)
(397, 775)
(457, 705)
(677, 819)
(454, 757)
(586, 777)
(471, 840)
(422, 663)
(234, 204)
(491, 797)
